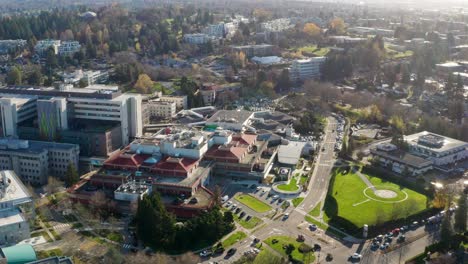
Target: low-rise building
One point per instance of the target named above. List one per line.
(43, 45)
(90, 77)
(197, 38)
(255, 50)
(8, 45)
(68, 48)
(180, 101)
(16, 209)
(230, 119)
(158, 108)
(425, 151)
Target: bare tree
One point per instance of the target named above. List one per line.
(53, 185)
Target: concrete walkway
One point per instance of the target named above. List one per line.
(365, 179)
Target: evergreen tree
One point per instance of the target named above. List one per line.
(35, 78)
(71, 176)
(461, 213)
(446, 230)
(14, 76)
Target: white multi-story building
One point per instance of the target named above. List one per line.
(16, 208)
(197, 38)
(181, 101)
(68, 48)
(215, 30)
(276, 25)
(91, 77)
(439, 149)
(95, 102)
(306, 69)
(160, 108)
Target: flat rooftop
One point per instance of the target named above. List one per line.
(230, 116)
(31, 146)
(434, 142)
(97, 92)
(11, 217)
(14, 191)
(403, 157)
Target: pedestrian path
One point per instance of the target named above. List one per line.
(62, 227)
(365, 180)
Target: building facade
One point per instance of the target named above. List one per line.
(35, 161)
(161, 109)
(16, 209)
(307, 69)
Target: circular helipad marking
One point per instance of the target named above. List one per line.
(388, 192)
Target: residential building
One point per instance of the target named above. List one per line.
(215, 30)
(181, 101)
(16, 209)
(161, 109)
(8, 45)
(35, 161)
(306, 69)
(68, 48)
(43, 45)
(90, 77)
(197, 38)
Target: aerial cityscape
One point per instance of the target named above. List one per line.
(233, 132)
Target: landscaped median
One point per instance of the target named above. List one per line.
(290, 187)
(233, 238)
(285, 246)
(253, 222)
(253, 203)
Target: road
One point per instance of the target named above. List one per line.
(296, 224)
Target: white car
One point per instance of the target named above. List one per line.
(356, 256)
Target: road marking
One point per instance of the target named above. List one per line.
(365, 201)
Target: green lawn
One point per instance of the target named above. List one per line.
(284, 241)
(290, 187)
(297, 201)
(233, 238)
(303, 179)
(393, 54)
(314, 50)
(253, 203)
(316, 211)
(347, 192)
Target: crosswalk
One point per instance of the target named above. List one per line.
(127, 246)
(62, 227)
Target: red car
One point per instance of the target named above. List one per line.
(396, 231)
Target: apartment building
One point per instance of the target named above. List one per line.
(158, 108)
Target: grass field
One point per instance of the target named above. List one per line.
(284, 241)
(297, 201)
(253, 222)
(316, 211)
(253, 203)
(233, 238)
(290, 187)
(346, 200)
(313, 49)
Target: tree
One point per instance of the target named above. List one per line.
(143, 84)
(14, 76)
(51, 60)
(289, 249)
(311, 30)
(35, 78)
(53, 185)
(156, 227)
(267, 89)
(337, 26)
(446, 230)
(71, 176)
(461, 214)
(283, 82)
(82, 83)
(440, 199)
(113, 256)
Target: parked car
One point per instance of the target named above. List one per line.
(231, 252)
(219, 250)
(237, 210)
(206, 253)
(329, 257)
(401, 239)
(300, 238)
(285, 216)
(242, 214)
(356, 256)
(312, 227)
